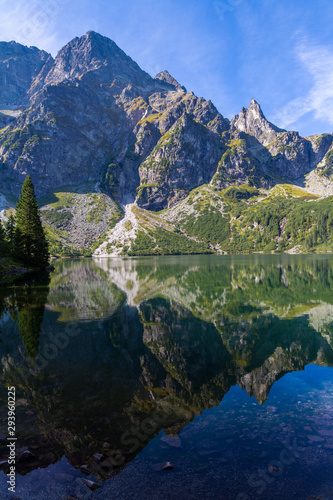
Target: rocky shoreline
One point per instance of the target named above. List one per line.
(10, 271)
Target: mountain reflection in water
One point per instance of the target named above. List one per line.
(109, 353)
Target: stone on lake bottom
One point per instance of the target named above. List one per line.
(168, 466)
(91, 484)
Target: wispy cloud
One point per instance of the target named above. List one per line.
(318, 62)
(31, 23)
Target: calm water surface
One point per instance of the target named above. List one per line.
(220, 365)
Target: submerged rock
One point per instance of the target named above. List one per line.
(92, 485)
(168, 466)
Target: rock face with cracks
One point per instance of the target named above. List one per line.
(93, 115)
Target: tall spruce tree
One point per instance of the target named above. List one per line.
(10, 234)
(3, 247)
(30, 241)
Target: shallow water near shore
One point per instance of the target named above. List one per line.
(220, 365)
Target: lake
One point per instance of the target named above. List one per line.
(220, 365)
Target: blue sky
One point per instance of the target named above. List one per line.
(278, 51)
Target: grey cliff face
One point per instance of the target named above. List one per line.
(294, 156)
(253, 122)
(98, 59)
(288, 156)
(93, 115)
(185, 157)
(165, 76)
(19, 66)
(243, 160)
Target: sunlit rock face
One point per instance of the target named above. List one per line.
(253, 122)
(93, 115)
(19, 68)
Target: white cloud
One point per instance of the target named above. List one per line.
(318, 62)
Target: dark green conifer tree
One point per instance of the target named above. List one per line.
(3, 249)
(10, 234)
(30, 241)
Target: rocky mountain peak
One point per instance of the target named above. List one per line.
(255, 109)
(253, 121)
(101, 58)
(13, 50)
(165, 76)
(96, 114)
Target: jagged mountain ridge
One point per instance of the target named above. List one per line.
(91, 114)
(19, 67)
